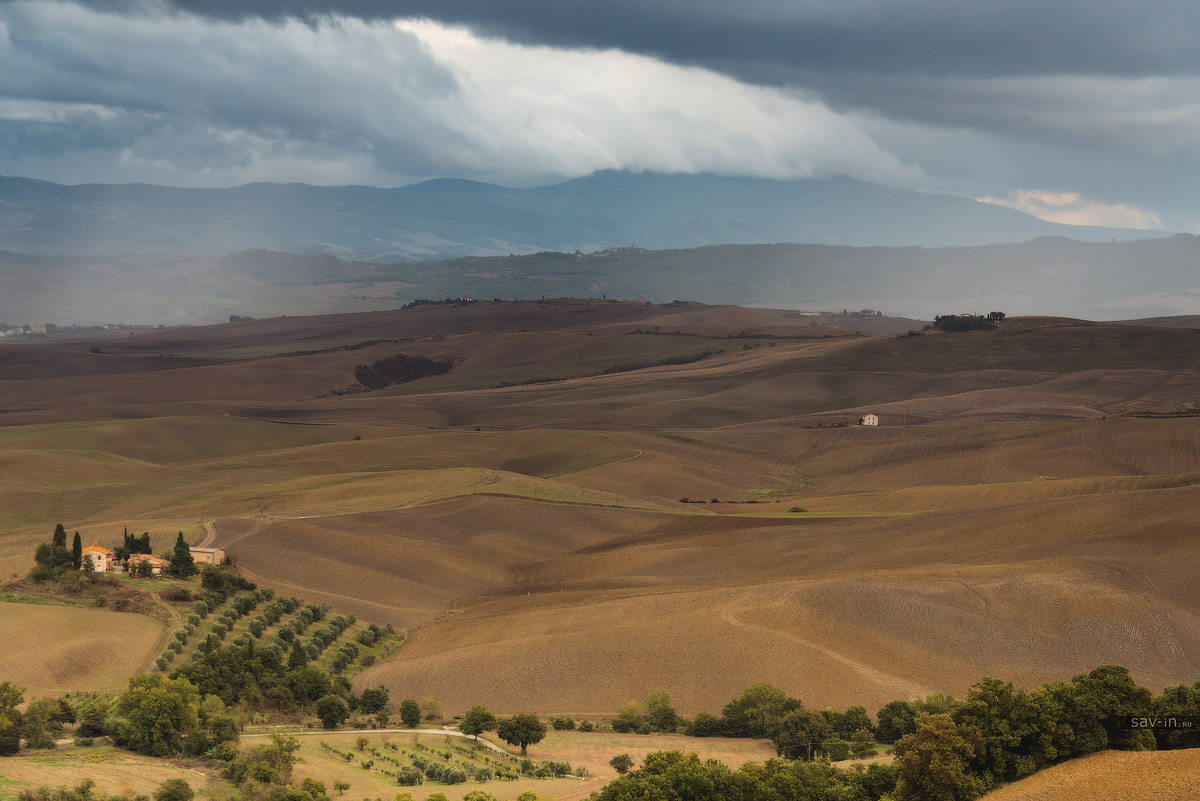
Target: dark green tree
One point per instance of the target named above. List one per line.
(1009, 724)
(800, 734)
(410, 713)
(374, 701)
(182, 563)
(11, 697)
(77, 552)
(1099, 706)
(156, 713)
(308, 684)
(862, 743)
(41, 724)
(896, 719)
(59, 539)
(659, 712)
(174, 790)
(1179, 702)
(298, 657)
(933, 762)
(621, 763)
(521, 730)
(836, 749)
(853, 719)
(757, 711)
(476, 721)
(705, 724)
(332, 711)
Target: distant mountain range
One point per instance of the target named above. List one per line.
(447, 218)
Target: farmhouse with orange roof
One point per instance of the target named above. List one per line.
(103, 559)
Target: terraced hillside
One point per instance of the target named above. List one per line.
(599, 498)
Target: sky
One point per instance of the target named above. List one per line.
(1077, 111)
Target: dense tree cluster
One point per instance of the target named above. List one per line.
(954, 749)
(967, 322)
(399, 369)
(132, 544)
(279, 672)
(673, 774)
(1000, 734)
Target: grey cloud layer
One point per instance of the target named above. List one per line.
(772, 38)
(977, 98)
(179, 98)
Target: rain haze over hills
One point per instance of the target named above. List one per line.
(415, 130)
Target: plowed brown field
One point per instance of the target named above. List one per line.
(1008, 518)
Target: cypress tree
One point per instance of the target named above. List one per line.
(60, 537)
(77, 552)
(298, 658)
(182, 563)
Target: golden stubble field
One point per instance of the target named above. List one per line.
(51, 650)
(1113, 776)
(1007, 519)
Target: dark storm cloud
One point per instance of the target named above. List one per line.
(780, 40)
(978, 97)
(115, 95)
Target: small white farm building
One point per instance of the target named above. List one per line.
(869, 420)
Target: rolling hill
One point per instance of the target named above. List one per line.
(1101, 280)
(535, 520)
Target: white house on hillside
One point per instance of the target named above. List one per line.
(869, 420)
(103, 559)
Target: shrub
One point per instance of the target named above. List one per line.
(174, 790)
(563, 724)
(558, 768)
(704, 724)
(621, 763)
(836, 749)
